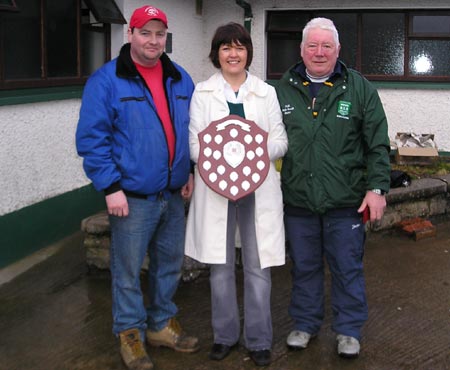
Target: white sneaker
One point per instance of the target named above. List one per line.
(347, 346)
(298, 339)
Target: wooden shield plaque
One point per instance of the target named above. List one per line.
(233, 159)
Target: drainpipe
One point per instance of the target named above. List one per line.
(248, 15)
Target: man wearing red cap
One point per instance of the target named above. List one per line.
(134, 140)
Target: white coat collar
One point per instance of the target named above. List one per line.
(215, 83)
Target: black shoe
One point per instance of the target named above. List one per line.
(220, 351)
(261, 358)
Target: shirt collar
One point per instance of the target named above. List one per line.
(301, 70)
(231, 96)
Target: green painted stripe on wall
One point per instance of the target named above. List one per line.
(24, 96)
(31, 228)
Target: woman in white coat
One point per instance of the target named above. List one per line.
(213, 219)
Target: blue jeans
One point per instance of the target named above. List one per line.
(156, 227)
(338, 235)
(257, 285)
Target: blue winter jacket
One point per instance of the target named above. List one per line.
(121, 137)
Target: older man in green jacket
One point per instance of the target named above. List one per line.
(336, 172)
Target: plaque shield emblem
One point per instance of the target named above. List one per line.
(233, 159)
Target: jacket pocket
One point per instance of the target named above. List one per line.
(132, 98)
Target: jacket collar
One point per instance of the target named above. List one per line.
(215, 83)
(339, 70)
(126, 69)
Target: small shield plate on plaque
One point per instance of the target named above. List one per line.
(233, 159)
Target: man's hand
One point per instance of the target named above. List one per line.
(376, 204)
(117, 204)
(186, 190)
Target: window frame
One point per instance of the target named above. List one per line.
(408, 36)
(79, 78)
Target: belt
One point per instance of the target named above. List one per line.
(159, 195)
(333, 212)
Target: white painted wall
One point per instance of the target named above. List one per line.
(418, 111)
(37, 150)
(37, 153)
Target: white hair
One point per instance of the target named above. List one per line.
(322, 23)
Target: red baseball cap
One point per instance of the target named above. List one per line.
(147, 13)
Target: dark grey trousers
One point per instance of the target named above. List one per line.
(257, 324)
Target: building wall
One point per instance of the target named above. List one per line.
(44, 190)
(37, 152)
(38, 160)
(418, 111)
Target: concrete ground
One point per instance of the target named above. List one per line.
(56, 315)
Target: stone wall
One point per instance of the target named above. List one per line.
(424, 198)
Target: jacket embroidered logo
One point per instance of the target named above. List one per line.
(344, 108)
(233, 159)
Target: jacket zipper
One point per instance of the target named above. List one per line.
(172, 120)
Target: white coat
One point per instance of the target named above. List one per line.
(207, 217)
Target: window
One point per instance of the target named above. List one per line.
(383, 45)
(45, 43)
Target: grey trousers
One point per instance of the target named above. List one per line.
(257, 332)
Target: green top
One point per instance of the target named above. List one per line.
(338, 142)
(237, 109)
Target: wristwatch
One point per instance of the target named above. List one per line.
(378, 191)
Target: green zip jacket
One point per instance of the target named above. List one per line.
(338, 142)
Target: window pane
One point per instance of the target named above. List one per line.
(346, 24)
(284, 52)
(392, 45)
(292, 21)
(21, 28)
(429, 57)
(437, 25)
(61, 33)
(383, 38)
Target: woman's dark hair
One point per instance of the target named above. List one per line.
(227, 34)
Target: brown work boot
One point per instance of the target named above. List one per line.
(174, 337)
(133, 352)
